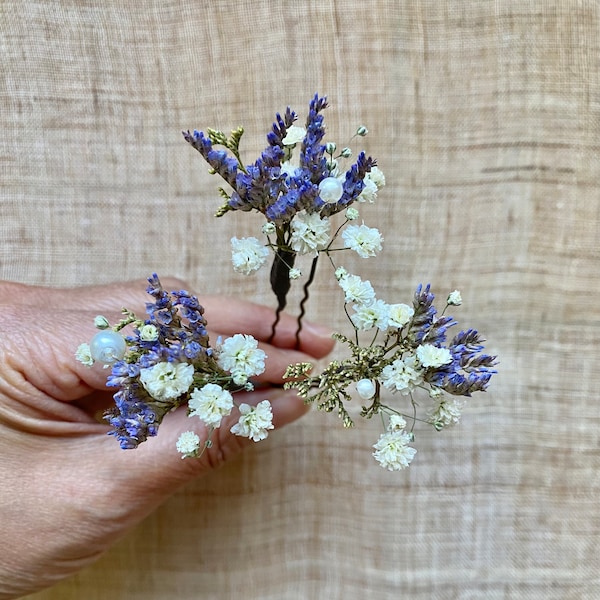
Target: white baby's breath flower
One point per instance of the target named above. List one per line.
(294, 134)
(352, 214)
(247, 255)
(255, 421)
(239, 378)
(400, 314)
(166, 380)
(445, 412)
(454, 298)
(397, 423)
(240, 353)
(365, 388)
(101, 322)
(310, 232)
(210, 404)
(376, 176)
(373, 314)
(295, 273)
(403, 375)
(365, 241)
(431, 356)
(376, 314)
(340, 273)
(188, 444)
(148, 333)
(357, 290)
(269, 228)
(84, 355)
(392, 451)
(369, 192)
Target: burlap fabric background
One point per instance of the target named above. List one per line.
(484, 116)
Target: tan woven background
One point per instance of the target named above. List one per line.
(484, 116)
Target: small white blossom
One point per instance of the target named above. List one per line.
(240, 353)
(188, 444)
(239, 378)
(365, 388)
(84, 355)
(369, 192)
(376, 176)
(148, 333)
(431, 356)
(101, 322)
(294, 134)
(400, 314)
(210, 404)
(362, 131)
(295, 273)
(397, 423)
(247, 255)
(352, 214)
(310, 232)
(357, 290)
(375, 314)
(166, 380)
(254, 422)
(365, 241)
(403, 375)
(454, 298)
(392, 451)
(269, 228)
(340, 273)
(446, 412)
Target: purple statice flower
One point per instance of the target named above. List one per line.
(264, 187)
(472, 369)
(280, 127)
(312, 153)
(133, 420)
(219, 160)
(424, 314)
(174, 332)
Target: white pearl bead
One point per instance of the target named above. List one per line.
(108, 346)
(331, 190)
(365, 389)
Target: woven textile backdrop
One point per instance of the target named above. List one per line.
(484, 116)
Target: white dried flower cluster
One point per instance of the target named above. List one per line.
(310, 233)
(374, 180)
(241, 355)
(167, 380)
(210, 404)
(255, 421)
(365, 241)
(392, 451)
(247, 255)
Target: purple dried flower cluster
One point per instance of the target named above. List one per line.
(264, 186)
(177, 335)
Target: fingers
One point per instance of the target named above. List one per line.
(230, 315)
(158, 464)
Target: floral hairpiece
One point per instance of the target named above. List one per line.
(298, 185)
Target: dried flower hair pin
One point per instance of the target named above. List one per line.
(298, 184)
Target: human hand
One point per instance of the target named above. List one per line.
(68, 490)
